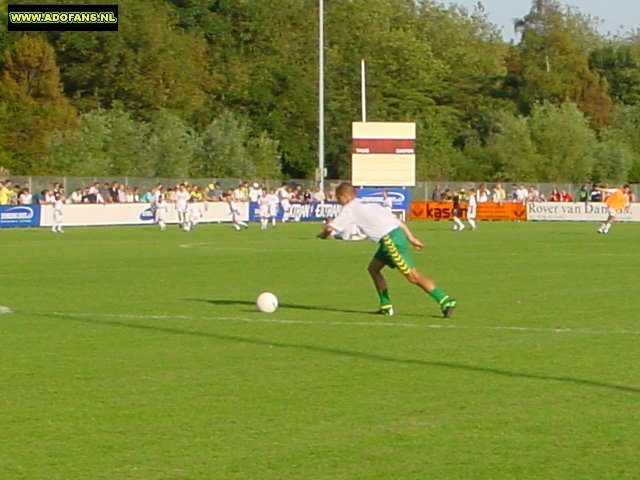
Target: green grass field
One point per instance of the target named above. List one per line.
(138, 354)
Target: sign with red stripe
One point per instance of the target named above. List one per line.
(384, 145)
(383, 154)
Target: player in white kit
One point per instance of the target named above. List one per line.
(472, 208)
(234, 211)
(393, 238)
(195, 213)
(58, 207)
(181, 197)
(263, 208)
(272, 200)
(284, 196)
(160, 211)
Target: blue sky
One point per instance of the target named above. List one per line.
(617, 15)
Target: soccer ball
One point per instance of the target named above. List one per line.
(267, 302)
(186, 227)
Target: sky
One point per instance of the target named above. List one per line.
(617, 15)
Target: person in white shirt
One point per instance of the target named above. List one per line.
(393, 238)
(234, 211)
(318, 195)
(273, 202)
(521, 194)
(195, 213)
(284, 196)
(387, 201)
(255, 192)
(181, 198)
(263, 208)
(160, 211)
(58, 207)
(472, 208)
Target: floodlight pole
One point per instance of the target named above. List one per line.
(364, 90)
(321, 95)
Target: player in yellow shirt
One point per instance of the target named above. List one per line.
(617, 200)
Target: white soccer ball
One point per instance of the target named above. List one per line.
(267, 302)
(186, 227)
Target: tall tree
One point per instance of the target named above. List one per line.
(33, 104)
(565, 142)
(147, 65)
(553, 63)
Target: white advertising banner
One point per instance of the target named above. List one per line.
(579, 212)
(131, 214)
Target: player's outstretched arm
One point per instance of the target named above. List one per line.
(325, 233)
(412, 239)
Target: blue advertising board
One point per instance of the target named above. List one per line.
(19, 216)
(305, 212)
(401, 196)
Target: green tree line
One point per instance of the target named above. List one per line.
(230, 88)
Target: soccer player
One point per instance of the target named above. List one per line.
(195, 212)
(58, 207)
(457, 212)
(160, 211)
(617, 200)
(272, 200)
(284, 196)
(472, 208)
(393, 238)
(181, 198)
(263, 208)
(234, 211)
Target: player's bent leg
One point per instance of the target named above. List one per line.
(375, 271)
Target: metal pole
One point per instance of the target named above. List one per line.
(364, 90)
(321, 95)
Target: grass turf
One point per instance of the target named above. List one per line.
(138, 354)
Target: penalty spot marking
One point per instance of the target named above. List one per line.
(499, 328)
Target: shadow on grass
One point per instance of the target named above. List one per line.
(294, 306)
(354, 354)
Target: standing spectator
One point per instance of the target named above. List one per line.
(583, 194)
(436, 195)
(565, 196)
(513, 195)
(596, 193)
(534, 195)
(498, 195)
(554, 196)
(214, 192)
(521, 194)
(4, 194)
(318, 195)
(76, 196)
(483, 194)
(25, 197)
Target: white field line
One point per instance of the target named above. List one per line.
(452, 326)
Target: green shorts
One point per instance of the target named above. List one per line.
(393, 251)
